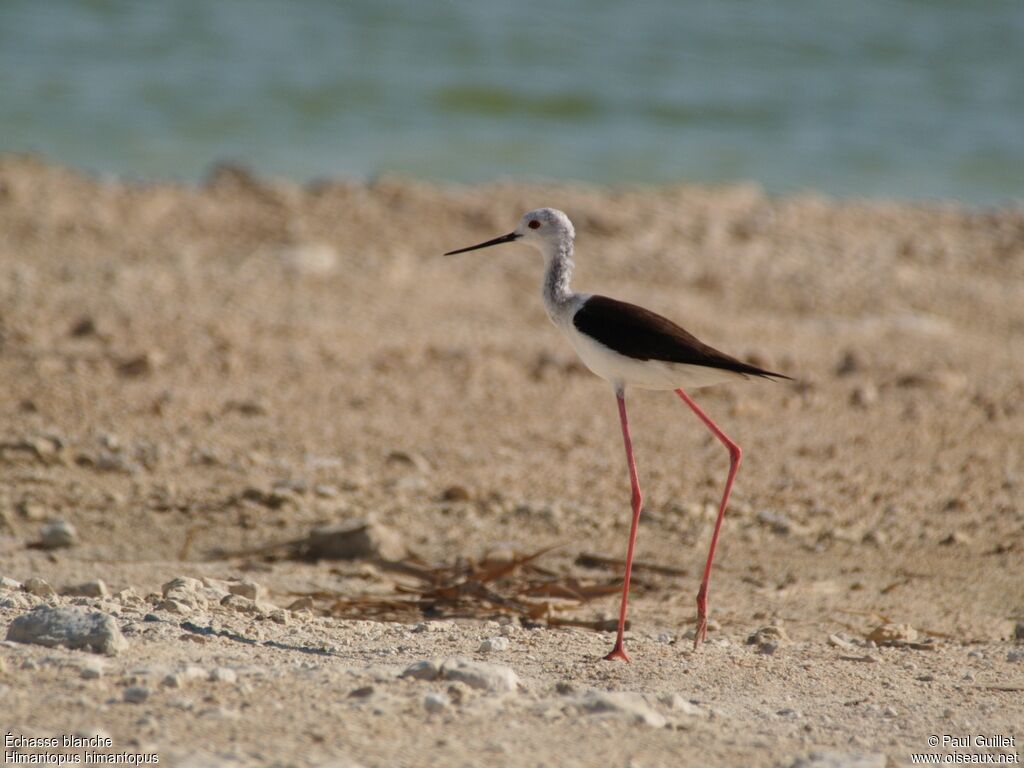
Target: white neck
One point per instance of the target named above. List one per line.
(558, 268)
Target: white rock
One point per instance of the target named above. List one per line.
(193, 673)
(630, 706)
(223, 675)
(9, 584)
(250, 589)
(428, 669)
(435, 702)
(479, 675)
(39, 588)
(92, 670)
(96, 588)
(71, 627)
(494, 644)
(57, 535)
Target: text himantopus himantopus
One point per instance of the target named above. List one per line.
(630, 346)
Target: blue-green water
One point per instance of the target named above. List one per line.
(903, 98)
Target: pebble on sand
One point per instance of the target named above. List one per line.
(39, 588)
(70, 627)
(136, 694)
(57, 535)
(428, 669)
(354, 540)
(494, 644)
(96, 588)
(435, 702)
(768, 639)
(480, 675)
(223, 675)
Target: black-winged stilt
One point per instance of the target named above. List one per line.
(630, 346)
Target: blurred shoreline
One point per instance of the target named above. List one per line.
(244, 175)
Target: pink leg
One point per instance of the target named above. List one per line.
(735, 454)
(619, 652)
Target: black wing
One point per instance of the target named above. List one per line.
(639, 333)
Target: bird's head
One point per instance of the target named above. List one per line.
(543, 228)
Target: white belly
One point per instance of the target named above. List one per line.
(645, 374)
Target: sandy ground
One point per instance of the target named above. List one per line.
(192, 370)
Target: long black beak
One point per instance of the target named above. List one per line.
(510, 237)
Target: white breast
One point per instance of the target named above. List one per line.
(621, 370)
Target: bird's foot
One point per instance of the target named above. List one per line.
(701, 633)
(618, 652)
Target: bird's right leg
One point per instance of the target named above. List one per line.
(619, 652)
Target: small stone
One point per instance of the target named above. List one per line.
(193, 673)
(249, 589)
(140, 365)
(128, 597)
(768, 639)
(136, 694)
(363, 692)
(306, 603)
(71, 627)
(173, 680)
(565, 688)
(223, 675)
(890, 712)
(95, 588)
(173, 606)
(39, 588)
(494, 645)
(240, 604)
(91, 670)
(864, 396)
(408, 459)
(435, 702)
(455, 493)
(354, 540)
(480, 675)
(926, 678)
(955, 538)
(875, 538)
(428, 669)
(629, 706)
(84, 326)
(850, 363)
(57, 535)
(10, 584)
(1015, 655)
(839, 641)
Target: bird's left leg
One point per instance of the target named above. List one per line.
(735, 454)
(619, 651)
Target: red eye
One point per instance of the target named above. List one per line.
(534, 224)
